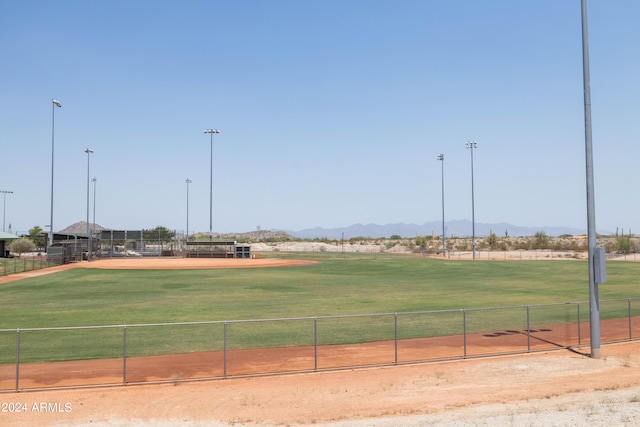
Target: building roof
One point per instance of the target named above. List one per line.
(7, 236)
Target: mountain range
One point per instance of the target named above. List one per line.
(457, 228)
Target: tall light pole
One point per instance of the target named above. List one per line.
(471, 145)
(594, 304)
(88, 151)
(444, 253)
(4, 205)
(188, 181)
(94, 180)
(54, 103)
(211, 132)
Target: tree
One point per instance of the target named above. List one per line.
(37, 237)
(540, 240)
(492, 240)
(159, 234)
(624, 245)
(421, 241)
(22, 245)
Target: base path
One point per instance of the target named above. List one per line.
(191, 263)
(163, 263)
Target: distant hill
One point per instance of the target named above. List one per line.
(249, 235)
(80, 228)
(458, 228)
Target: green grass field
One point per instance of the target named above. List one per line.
(336, 286)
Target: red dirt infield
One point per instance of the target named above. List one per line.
(169, 263)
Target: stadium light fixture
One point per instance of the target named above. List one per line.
(54, 103)
(88, 151)
(211, 132)
(471, 145)
(444, 253)
(4, 205)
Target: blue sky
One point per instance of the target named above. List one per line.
(330, 112)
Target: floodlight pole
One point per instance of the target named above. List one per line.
(88, 151)
(594, 304)
(4, 205)
(211, 132)
(444, 253)
(471, 145)
(188, 181)
(94, 180)
(54, 103)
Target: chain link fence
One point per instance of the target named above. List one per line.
(42, 358)
(20, 265)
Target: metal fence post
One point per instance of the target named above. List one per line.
(315, 343)
(579, 326)
(124, 354)
(395, 336)
(528, 330)
(630, 324)
(17, 358)
(224, 349)
(464, 332)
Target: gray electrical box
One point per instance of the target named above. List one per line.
(600, 265)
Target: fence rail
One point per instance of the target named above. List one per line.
(45, 358)
(21, 265)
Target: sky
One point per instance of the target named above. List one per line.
(331, 113)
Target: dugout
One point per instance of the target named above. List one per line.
(134, 243)
(218, 249)
(121, 243)
(67, 248)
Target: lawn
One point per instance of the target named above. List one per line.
(336, 286)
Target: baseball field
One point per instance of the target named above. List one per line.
(161, 291)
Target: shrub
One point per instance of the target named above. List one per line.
(492, 240)
(22, 245)
(541, 240)
(624, 245)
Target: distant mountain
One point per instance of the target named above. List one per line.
(458, 228)
(80, 228)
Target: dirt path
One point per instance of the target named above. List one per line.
(162, 263)
(556, 388)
